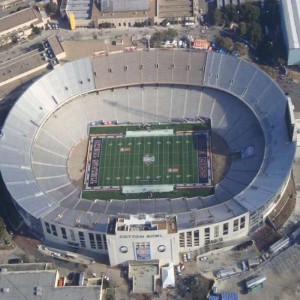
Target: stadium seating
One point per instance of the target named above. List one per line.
(244, 106)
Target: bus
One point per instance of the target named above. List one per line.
(255, 283)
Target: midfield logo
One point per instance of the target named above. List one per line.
(148, 159)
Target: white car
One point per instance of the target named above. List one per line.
(203, 258)
(184, 257)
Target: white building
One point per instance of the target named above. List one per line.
(290, 24)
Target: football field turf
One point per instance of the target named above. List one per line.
(148, 160)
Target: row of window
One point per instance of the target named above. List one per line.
(192, 238)
(97, 241)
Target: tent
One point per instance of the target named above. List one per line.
(168, 276)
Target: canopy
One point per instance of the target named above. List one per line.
(168, 276)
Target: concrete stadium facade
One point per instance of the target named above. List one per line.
(245, 107)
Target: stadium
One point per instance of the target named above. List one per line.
(46, 142)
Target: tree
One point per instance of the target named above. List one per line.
(242, 28)
(271, 14)
(255, 34)
(51, 8)
(157, 38)
(249, 12)
(241, 49)
(170, 34)
(230, 13)
(36, 30)
(217, 17)
(226, 42)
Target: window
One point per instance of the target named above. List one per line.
(99, 241)
(92, 240)
(216, 231)
(206, 235)
(242, 224)
(105, 242)
(81, 239)
(236, 225)
(196, 238)
(225, 229)
(181, 240)
(48, 227)
(189, 239)
(53, 227)
(161, 248)
(123, 249)
(72, 234)
(63, 232)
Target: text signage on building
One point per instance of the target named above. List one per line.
(140, 236)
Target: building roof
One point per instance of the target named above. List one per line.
(124, 5)
(18, 18)
(175, 8)
(291, 18)
(168, 276)
(149, 13)
(20, 65)
(82, 9)
(42, 284)
(143, 276)
(55, 45)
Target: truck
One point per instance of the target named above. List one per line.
(255, 283)
(71, 255)
(279, 245)
(225, 272)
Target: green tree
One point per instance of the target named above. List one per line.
(255, 34)
(226, 42)
(242, 28)
(157, 38)
(170, 34)
(241, 48)
(36, 30)
(51, 8)
(249, 12)
(271, 14)
(217, 17)
(230, 12)
(2, 227)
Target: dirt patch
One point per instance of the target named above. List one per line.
(190, 287)
(220, 157)
(76, 162)
(264, 237)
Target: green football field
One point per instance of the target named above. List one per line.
(148, 160)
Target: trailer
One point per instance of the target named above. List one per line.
(295, 235)
(279, 245)
(226, 272)
(71, 255)
(253, 262)
(255, 283)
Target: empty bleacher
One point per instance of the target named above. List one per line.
(147, 86)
